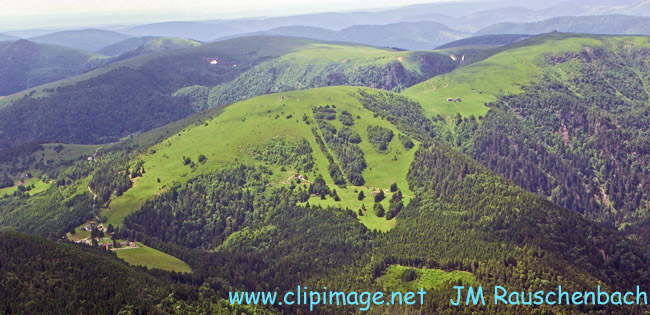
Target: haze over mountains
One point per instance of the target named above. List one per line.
(402, 27)
(414, 27)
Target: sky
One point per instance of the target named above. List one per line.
(18, 14)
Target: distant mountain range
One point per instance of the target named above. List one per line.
(405, 35)
(25, 64)
(413, 27)
(462, 16)
(5, 37)
(597, 24)
(88, 39)
(125, 45)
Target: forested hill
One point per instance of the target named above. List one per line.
(221, 194)
(43, 277)
(25, 64)
(136, 95)
(596, 24)
(577, 136)
(39, 276)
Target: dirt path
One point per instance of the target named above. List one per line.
(97, 151)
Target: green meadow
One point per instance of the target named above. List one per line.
(357, 54)
(395, 278)
(228, 138)
(39, 186)
(151, 258)
(501, 74)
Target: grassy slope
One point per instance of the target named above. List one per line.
(39, 186)
(162, 44)
(69, 152)
(228, 138)
(501, 74)
(340, 53)
(151, 258)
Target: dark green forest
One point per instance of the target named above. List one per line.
(581, 142)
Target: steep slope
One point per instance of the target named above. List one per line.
(38, 275)
(88, 39)
(598, 24)
(564, 123)
(136, 94)
(41, 276)
(25, 64)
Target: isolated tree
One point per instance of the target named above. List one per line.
(361, 196)
(380, 196)
(393, 187)
(110, 229)
(319, 186)
(379, 210)
(335, 195)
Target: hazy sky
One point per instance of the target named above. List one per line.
(44, 7)
(15, 14)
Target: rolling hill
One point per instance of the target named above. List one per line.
(157, 45)
(201, 31)
(136, 94)
(355, 187)
(87, 39)
(597, 24)
(240, 162)
(486, 40)
(25, 64)
(125, 46)
(404, 35)
(320, 65)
